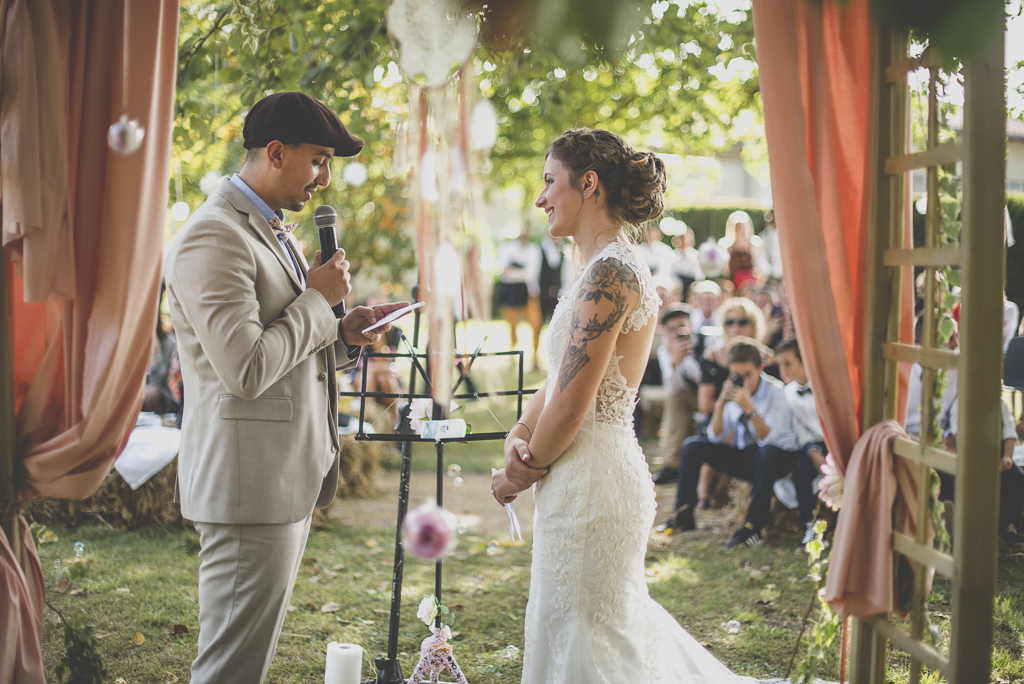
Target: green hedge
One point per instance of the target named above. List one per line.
(710, 222)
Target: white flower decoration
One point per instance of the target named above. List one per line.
(427, 610)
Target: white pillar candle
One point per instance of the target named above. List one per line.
(344, 663)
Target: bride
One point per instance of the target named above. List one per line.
(590, 617)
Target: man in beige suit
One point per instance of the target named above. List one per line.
(259, 346)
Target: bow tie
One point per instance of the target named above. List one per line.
(279, 228)
(803, 390)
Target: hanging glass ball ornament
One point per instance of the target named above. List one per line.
(354, 174)
(125, 135)
(180, 211)
(210, 181)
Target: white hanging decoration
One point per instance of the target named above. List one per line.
(712, 258)
(483, 127)
(180, 211)
(447, 271)
(125, 135)
(210, 182)
(456, 171)
(428, 176)
(434, 37)
(354, 174)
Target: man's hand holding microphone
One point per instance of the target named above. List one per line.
(331, 279)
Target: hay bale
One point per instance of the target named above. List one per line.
(736, 496)
(115, 504)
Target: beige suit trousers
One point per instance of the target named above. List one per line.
(245, 582)
(677, 424)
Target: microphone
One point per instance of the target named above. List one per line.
(325, 219)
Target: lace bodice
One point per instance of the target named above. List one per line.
(614, 402)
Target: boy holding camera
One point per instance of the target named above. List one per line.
(749, 436)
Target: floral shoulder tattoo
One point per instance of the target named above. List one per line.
(607, 279)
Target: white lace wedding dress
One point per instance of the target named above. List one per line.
(590, 618)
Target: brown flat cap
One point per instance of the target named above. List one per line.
(296, 118)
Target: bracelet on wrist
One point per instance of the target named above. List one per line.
(525, 426)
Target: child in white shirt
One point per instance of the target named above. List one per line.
(810, 438)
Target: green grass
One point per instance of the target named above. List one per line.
(764, 588)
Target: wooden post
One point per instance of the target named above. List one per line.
(979, 439)
(8, 462)
(867, 656)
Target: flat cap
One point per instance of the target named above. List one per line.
(296, 118)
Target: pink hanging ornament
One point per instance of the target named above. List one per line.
(429, 531)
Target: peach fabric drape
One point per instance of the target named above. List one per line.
(815, 69)
(21, 612)
(862, 580)
(80, 364)
(33, 117)
(814, 65)
(87, 226)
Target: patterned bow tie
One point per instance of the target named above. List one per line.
(803, 390)
(279, 228)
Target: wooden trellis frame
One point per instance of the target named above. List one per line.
(981, 258)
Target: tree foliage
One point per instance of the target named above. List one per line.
(675, 78)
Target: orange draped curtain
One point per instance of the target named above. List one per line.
(83, 233)
(817, 85)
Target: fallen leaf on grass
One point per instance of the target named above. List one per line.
(138, 638)
(367, 622)
(344, 622)
(339, 566)
(331, 607)
(381, 611)
(123, 590)
(291, 608)
(178, 629)
(372, 543)
(104, 636)
(63, 586)
(120, 681)
(329, 573)
(170, 678)
(79, 592)
(315, 579)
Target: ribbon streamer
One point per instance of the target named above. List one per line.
(514, 528)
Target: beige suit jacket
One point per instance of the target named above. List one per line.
(259, 437)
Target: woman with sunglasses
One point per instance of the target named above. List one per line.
(737, 317)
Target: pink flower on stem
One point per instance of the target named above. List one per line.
(830, 487)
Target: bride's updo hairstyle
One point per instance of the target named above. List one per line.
(635, 181)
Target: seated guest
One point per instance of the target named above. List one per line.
(680, 374)
(159, 397)
(1011, 478)
(736, 317)
(749, 436)
(810, 438)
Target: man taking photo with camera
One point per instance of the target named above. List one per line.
(750, 436)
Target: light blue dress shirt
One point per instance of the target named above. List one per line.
(770, 401)
(268, 214)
